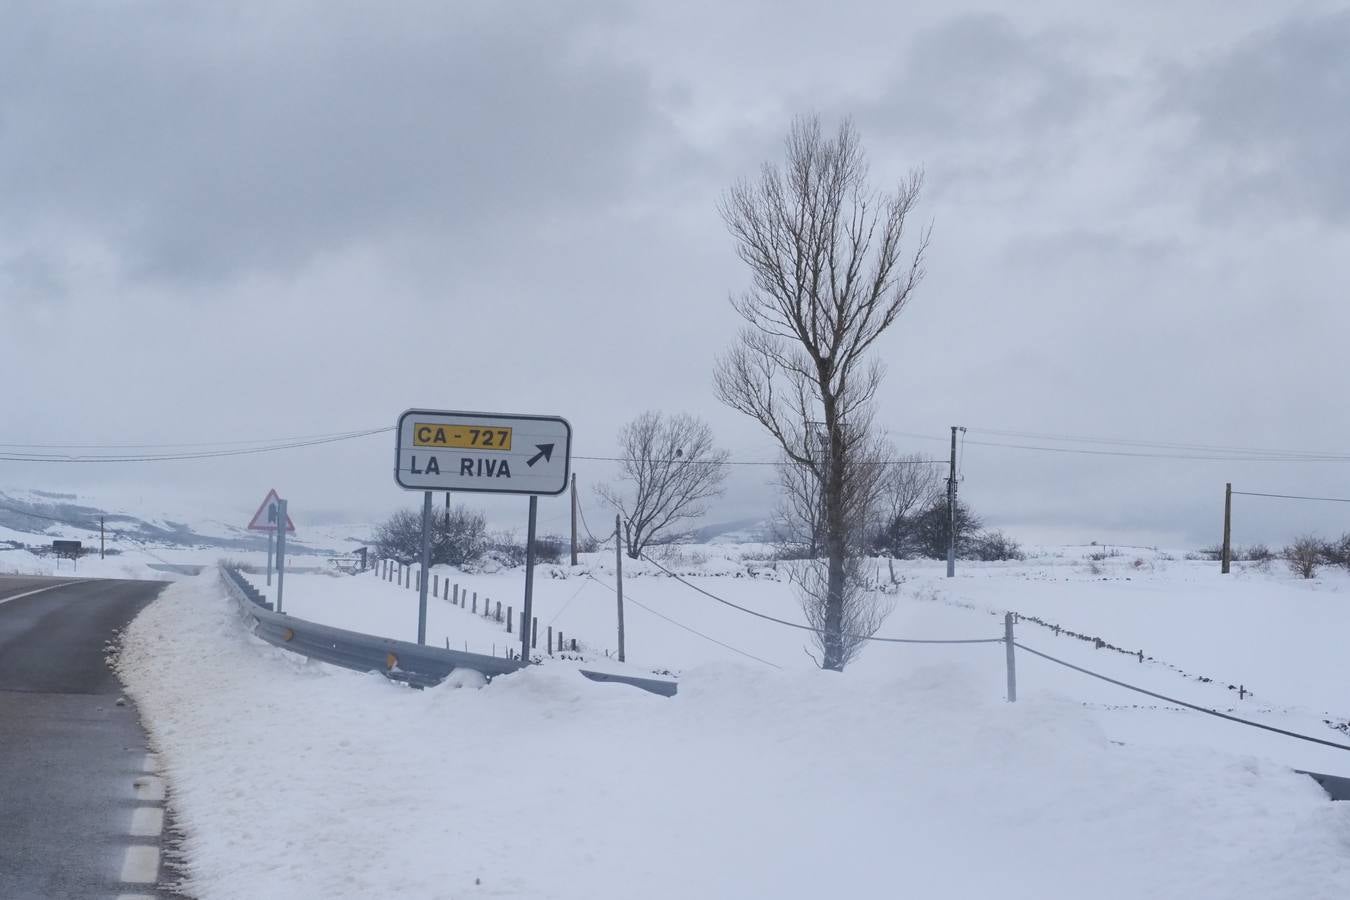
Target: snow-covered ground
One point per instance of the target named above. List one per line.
(1278, 637)
(907, 774)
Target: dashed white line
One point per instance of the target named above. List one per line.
(140, 865)
(147, 821)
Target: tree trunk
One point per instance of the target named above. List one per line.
(836, 544)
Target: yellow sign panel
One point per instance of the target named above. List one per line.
(463, 437)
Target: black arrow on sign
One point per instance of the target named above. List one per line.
(545, 453)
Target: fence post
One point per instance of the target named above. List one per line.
(509, 616)
(534, 632)
(561, 648)
(456, 596)
(1012, 660)
(550, 640)
(498, 617)
(475, 603)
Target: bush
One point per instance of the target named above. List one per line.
(457, 537)
(1304, 555)
(506, 549)
(995, 546)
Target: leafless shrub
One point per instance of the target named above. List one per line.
(1303, 556)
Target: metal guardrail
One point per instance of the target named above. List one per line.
(415, 664)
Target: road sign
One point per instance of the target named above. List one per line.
(265, 519)
(489, 453)
(68, 549)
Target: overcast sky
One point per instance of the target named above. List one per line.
(226, 222)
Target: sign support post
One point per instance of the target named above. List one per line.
(529, 580)
(281, 548)
(618, 576)
(426, 566)
(271, 535)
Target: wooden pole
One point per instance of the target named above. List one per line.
(1227, 528)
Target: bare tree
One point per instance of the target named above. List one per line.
(672, 466)
(829, 275)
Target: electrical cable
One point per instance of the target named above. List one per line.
(629, 599)
(797, 625)
(1292, 497)
(1203, 709)
(205, 454)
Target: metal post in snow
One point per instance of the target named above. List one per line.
(281, 548)
(271, 536)
(618, 576)
(1012, 660)
(529, 578)
(426, 564)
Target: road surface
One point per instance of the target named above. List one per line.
(81, 810)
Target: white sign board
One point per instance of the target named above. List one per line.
(492, 453)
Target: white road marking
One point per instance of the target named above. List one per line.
(50, 587)
(134, 897)
(147, 821)
(140, 865)
(149, 788)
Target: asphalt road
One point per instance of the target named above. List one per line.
(81, 810)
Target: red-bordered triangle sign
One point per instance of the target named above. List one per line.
(265, 519)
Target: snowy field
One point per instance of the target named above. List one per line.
(908, 774)
(1278, 637)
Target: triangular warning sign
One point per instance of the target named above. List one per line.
(265, 519)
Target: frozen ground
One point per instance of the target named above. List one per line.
(908, 774)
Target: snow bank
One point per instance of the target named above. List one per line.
(294, 779)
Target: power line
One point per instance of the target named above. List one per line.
(1167, 445)
(797, 625)
(205, 454)
(125, 445)
(1293, 497)
(629, 599)
(755, 462)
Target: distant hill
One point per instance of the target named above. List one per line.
(32, 517)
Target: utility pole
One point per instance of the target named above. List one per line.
(618, 576)
(1227, 529)
(951, 509)
(574, 518)
(447, 511)
(100, 537)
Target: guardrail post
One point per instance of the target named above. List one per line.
(550, 640)
(1012, 660)
(498, 617)
(560, 640)
(509, 617)
(455, 595)
(475, 603)
(435, 585)
(534, 632)
(574, 645)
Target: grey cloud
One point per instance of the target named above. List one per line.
(1271, 118)
(196, 142)
(978, 75)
